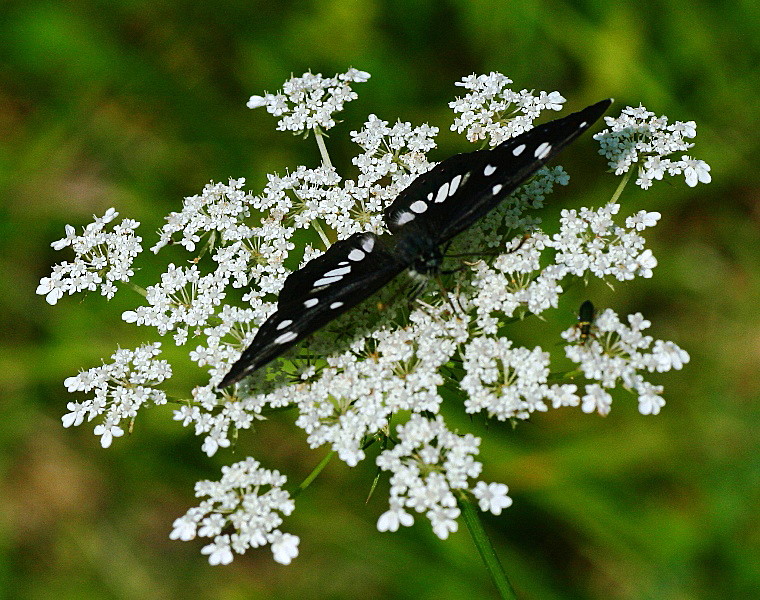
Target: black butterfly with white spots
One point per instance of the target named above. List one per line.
(433, 209)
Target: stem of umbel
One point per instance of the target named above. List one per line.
(474, 525)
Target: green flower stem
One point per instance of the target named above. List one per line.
(487, 553)
(319, 136)
(136, 288)
(621, 186)
(318, 228)
(313, 475)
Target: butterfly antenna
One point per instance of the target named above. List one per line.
(519, 245)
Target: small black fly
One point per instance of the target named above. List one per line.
(586, 315)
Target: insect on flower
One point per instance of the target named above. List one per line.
(433, 209)
(586, 315)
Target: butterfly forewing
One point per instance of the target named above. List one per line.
(326, 287)
(448, 199)
(432, 196)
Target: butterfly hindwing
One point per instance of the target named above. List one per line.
(452, 196)
(326, 287)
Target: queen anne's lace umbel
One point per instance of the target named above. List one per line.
(353, 381)
(638, 137)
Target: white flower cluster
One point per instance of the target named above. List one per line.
(309, 101)
(249, 501)
(490, 110)
(510, 383)
(617, 352)
(309, 198)
(120, 390)
(638, 137)
(392, 151)
(183, 299)
(430, 465)
(589, 242)
(219, 208)
(388, 371)
(102, 258)
(350, 380)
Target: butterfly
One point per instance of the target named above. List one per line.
(433, 209)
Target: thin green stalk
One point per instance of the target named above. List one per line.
(318, 135)
(318, 228)
(313, 475)
(485, 548)
(621, 186)
(136, 288)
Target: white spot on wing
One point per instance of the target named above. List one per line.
(489, 170)
(343, 262)
(283, 324)
(419, 206)
(286, 337)
(355, 255)
(327, 280)
(496, 189)
(335, 272)
(404, 217)
(443, 192)
(430, 196)
(518, 150)
(454, 184)
(335, 305)
(310, 302)
(543, 150)
(582, 125)
(368, 243)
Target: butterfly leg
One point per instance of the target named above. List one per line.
(445, 292)
(419, 285)
(523, 239)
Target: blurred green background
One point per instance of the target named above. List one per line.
(135, 104)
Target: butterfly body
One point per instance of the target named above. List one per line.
(433, 209)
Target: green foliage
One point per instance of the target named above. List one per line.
(136, 104)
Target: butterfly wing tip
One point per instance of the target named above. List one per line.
(232, 377)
